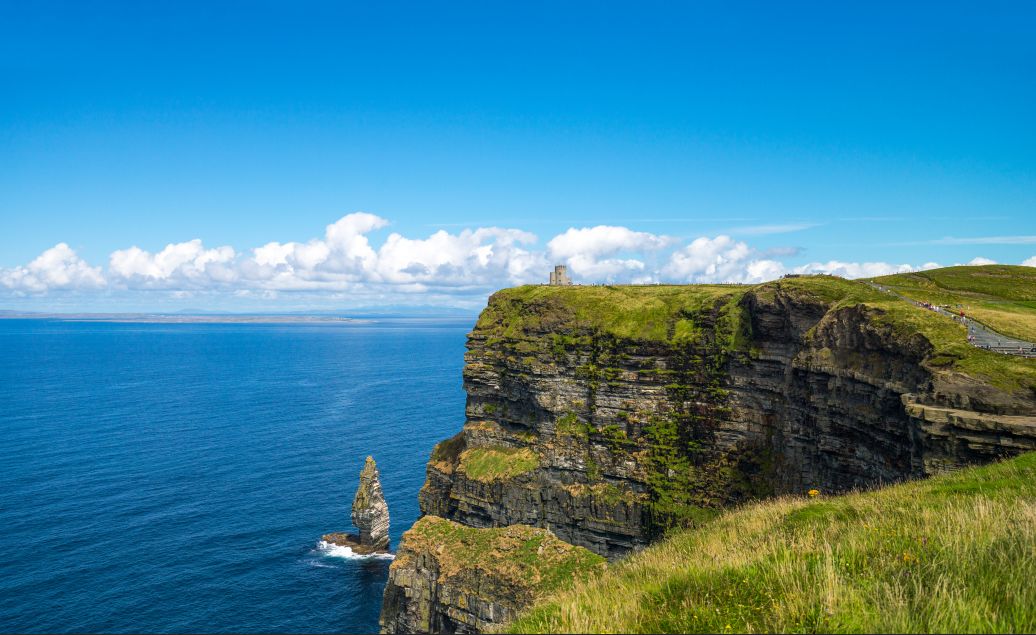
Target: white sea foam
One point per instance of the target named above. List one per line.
(338, 551)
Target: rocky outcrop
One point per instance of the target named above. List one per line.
(609, 414)
(956, 438)
(448, 578)
(369, 514)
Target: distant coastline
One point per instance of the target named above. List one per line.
(149, 318)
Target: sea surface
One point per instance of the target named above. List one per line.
(178, 477)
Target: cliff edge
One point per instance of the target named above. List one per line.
(609, 415)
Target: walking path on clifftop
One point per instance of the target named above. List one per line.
(978, 334)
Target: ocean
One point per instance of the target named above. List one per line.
(178, 477)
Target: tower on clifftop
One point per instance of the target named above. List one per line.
(559, 277)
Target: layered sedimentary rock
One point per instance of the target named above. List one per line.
(608, 415)
(369, 514)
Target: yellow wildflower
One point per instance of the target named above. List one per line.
(813, 493)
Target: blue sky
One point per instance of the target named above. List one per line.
(787, 136)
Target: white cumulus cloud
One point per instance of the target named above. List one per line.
(56, 268)
(471, 257)
(979, 260)
(342, 256)
(720, 259)
(178, 264)
(594, 253)
(854, 269)
(343, 265)
(344, 259)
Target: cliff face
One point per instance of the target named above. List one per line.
(608, 439)
(609, 414)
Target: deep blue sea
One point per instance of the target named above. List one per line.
(177, 477)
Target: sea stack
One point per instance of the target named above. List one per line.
(370, 512)
(370, 515)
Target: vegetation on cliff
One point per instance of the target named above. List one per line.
(650, 313)
(526, 560)
(491, 464)
(955, 553)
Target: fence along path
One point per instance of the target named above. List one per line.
(979, 335)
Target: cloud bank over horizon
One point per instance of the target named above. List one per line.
(449, 269)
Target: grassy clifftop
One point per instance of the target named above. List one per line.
(653, 312)
(954, 553)
(1002, 296)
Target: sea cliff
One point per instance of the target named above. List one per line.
(608, 415)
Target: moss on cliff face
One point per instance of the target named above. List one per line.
(492, 464)
(700, 327)
(526, 558)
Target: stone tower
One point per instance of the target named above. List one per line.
(559, 277)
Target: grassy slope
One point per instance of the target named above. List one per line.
(953, 553)
(1001, 296)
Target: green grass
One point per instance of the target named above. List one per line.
(1006, 282)
(656, 312)
(570, 424)
(955, 553)
(493, 464)
(1001, 296)
(830, 289)
(527, 560)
